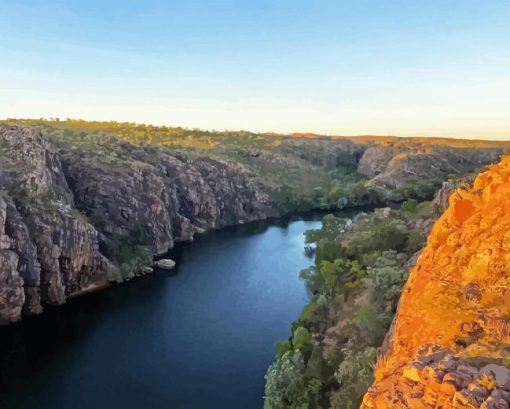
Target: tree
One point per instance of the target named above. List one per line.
(287, 386)
(387, 277)
(302, 341)
(354, 375)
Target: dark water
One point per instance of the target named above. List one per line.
(197, 339)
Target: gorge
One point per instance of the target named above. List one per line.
(245, 204)
(86, 205)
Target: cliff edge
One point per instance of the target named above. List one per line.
(72, 221)
(450, 342)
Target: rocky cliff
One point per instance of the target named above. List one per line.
(449, 342)
(71, 221)
(394, 167)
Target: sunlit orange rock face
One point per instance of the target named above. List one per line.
(450, 343)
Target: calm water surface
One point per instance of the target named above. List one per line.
(199, 338)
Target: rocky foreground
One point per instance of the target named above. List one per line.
(83, 209)
(449, 343)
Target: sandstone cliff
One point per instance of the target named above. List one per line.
(67, 219)
(449, 343)
(394, 167)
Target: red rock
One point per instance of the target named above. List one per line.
(455, 300)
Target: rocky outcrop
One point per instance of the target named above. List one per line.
(169, 198)
(69, 221)
(437, 377)
(394, 167)
(448, 347)
(12, 296)
(165, 264)
(52, 252)
(440, 202)
(375, 159)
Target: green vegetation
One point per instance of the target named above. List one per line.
(349, 191)
(412, 209)
(299, 174)
(421, 190)
(131, 253)
(355, 285)
(409, 206)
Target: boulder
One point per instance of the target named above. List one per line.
(165, 264)
(500, 373)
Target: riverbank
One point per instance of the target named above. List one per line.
(360, 267)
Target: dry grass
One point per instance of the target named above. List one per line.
(383, 367)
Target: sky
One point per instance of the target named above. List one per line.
(385, 67)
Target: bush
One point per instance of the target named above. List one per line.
(415, 242)
(380, 235)
(281, 348)
(327, 250)
(387, 277)
(332, 226)
(421, 190)
(302, 341)
(355, 376)
(287, 386)
(130, 252)
(409, 205)
(373, 325)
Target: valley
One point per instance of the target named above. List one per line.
(85, 206)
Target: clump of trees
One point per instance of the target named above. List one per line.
(355, 285)
(420, 190)
(343, 195)
(131, 253)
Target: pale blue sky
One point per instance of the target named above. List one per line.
(405, 67)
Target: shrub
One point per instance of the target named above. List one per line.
(409, 205)
(380, 235)
(287, 386)
(355, 376)
(130, 252)
(302, 341)
(415, 242)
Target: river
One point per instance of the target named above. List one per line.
(198, 338)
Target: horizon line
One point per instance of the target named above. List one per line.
(293, 134)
